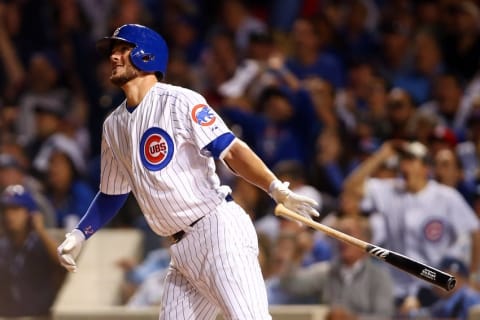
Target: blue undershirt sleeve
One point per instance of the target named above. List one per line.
(102, 209)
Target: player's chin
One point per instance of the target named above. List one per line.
(119, 80)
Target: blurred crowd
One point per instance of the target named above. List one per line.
(324, 91)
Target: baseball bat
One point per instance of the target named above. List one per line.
(404, 263)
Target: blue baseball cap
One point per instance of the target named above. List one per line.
(18, 196)
(452, 264)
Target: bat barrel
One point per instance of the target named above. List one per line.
(415, 268)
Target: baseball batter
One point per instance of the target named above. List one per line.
(160, 144)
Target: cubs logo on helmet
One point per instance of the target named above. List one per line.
(156, 149)
(203, 115)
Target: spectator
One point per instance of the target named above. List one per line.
(428, 64)
(238, 20)
(217, 64)
(322, 94)
(358, 41)
(456, 303)
(461, 40)
(282, 127)
(44, 90)
(289, 247)
(401, 109)
(395, 53)
(417, 210)
(49, 116)
(331, 164)
(469, 150)
(12, 172)
(308, 58)
(66, 188)
(376, 112)
(29, 270)
(343, 283)
(141, 278)
(448, 170)
(449, 103)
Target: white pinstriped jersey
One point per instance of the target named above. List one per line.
(157, 151)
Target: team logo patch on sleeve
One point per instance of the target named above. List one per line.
(156, 149)
(203, 115)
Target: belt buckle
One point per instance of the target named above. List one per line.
(176, 237)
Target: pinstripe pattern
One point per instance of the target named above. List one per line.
(187, 188)
(157, 152)
(219, 259)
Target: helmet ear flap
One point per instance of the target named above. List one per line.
(141, 59)
(147, 57)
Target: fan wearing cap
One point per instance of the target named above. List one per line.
(29, 271)
(422, 219)
(454, 304)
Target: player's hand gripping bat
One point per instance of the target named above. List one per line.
(415, 268)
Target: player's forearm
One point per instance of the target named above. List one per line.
(244, 162)
(102, 209)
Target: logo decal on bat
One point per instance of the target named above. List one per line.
(379, 252)
(429, 274)
(156, 149)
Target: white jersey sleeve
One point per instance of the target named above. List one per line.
(112, 179)
(462, 215)
(205, 124)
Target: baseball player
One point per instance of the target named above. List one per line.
(160, 144)
(423, 219)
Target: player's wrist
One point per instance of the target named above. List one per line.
(279, 190)
(78, 235)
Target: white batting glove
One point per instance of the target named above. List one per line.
(305, 206)
(70, 248)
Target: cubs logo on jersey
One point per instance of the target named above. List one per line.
(203, 115)
(156, 149)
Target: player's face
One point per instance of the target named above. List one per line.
(15, 219)
(122, 69)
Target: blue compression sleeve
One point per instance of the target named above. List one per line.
(102, 209)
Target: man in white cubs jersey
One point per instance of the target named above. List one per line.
(422, 219)
(160, 144)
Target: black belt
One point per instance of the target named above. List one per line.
(176, 237)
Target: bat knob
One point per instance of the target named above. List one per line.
(451, 282)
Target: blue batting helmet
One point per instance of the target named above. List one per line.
(150, 51)
(16, 195)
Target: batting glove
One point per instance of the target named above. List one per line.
(305, 206)
(70, 248)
